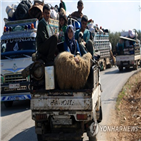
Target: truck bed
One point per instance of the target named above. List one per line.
(64, 100)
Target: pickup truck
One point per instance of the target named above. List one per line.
(65, 114)
(128, 53)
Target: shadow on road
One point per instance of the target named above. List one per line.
(18, 106)
(108, 101)
(26, 135)
(118, 72)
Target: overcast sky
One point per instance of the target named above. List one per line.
(115, 15)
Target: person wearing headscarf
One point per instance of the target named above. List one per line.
(70, 44)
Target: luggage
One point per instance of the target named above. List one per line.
(36, 11)
(22, 10)
(10, 11)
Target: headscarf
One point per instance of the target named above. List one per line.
(71, 43)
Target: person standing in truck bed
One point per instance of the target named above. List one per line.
(62, 5)
(78, 14)
(46, 41)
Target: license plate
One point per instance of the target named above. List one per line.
(14, 86)
(62, 121)
(125, 63)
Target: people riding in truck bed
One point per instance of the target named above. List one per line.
(46, 40)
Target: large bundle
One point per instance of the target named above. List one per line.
(72, 72)
(22, 10)
(36, 11)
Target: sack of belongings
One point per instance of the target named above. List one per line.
(22, 10)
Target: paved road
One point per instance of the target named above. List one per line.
(17, 125)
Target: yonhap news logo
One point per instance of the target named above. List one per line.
(113, 128)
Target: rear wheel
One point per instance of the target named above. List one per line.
(8, 104)
(104, 65)
(39, 137)
(109, 66)
(99, 115)
(135, 66)
(127, 68)
(92, 138)
(120, 68)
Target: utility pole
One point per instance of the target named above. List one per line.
(139, 7)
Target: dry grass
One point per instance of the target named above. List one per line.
(128, 111)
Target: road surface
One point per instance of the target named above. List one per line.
(17, 125)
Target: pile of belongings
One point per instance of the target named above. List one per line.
(26, 10)
(129, 34)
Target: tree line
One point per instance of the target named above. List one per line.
(114, 38)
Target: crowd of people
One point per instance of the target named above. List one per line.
(48, 42)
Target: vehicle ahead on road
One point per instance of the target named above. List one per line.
(17, 46)
(102, 44)
(128, 53)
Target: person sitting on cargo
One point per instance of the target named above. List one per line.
(78, 14)
(70, 44)
(87, 45)
(46, 39)
(62, 5)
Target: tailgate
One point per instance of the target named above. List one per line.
(125, 58)
(76, 101)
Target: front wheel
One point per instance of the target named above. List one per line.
(8, 104)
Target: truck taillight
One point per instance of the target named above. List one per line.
(81, 116)
(32, 26)
(41, 117)
(5, 29)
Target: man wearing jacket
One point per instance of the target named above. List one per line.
(46, 41)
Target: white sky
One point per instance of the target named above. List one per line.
(115, 15)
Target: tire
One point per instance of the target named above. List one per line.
(99, 118)
(120, 68)
(135, 67)
(127, 68)
(104, 65)
(109, 66)
(39, 137)
(92, 138)
(8, 104)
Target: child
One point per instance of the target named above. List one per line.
(70, 44)
(62, 27)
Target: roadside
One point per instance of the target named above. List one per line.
(126, 120)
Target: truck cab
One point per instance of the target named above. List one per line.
(18, 43)
(128, 53)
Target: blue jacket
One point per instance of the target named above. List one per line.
(77, 49)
